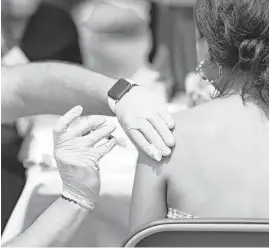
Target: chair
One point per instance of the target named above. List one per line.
(202, 233)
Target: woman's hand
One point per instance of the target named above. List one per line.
(77, 154)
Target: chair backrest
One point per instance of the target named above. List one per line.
(202, 233)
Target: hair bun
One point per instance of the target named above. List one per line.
(254, 58)
(252, 53)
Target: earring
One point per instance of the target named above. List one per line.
(199, 70)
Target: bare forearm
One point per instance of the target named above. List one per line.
(52, 88)
(55, 227)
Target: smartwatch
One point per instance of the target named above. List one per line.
(117, 91)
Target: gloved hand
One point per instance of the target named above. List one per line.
(77, 156)
(147, 122)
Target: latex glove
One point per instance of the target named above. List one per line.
(147, 122)
(77, 156)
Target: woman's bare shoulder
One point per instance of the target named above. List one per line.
(198, 119)
(209, 131)
(198, 132)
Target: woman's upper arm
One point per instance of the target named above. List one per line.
(149, 192)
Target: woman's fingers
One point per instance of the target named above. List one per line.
(84, 125)
(95, 136)
(64, 121)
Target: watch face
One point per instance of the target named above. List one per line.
(119, 89)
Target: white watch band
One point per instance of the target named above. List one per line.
(112, 102)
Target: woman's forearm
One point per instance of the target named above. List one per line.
(55, 227)
(52, 88)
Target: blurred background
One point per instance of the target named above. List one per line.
(119, 38)
(150, 41)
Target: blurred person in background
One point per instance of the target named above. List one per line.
(220, 165)
(32, 30)
(42, 29)
(114, 36)
(173, 41)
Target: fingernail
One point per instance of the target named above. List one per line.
(166, 151)
(78, 108)
(158, 156)
(171, 142)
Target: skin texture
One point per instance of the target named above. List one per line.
(52, 88)
(219, 167)
(62, 227)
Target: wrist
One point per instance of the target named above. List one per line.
(73, 204)
(78, 200)
(121, 88)
(72, 208)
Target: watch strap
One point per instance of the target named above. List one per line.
(112, 102)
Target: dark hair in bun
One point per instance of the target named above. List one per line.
(237, 33)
